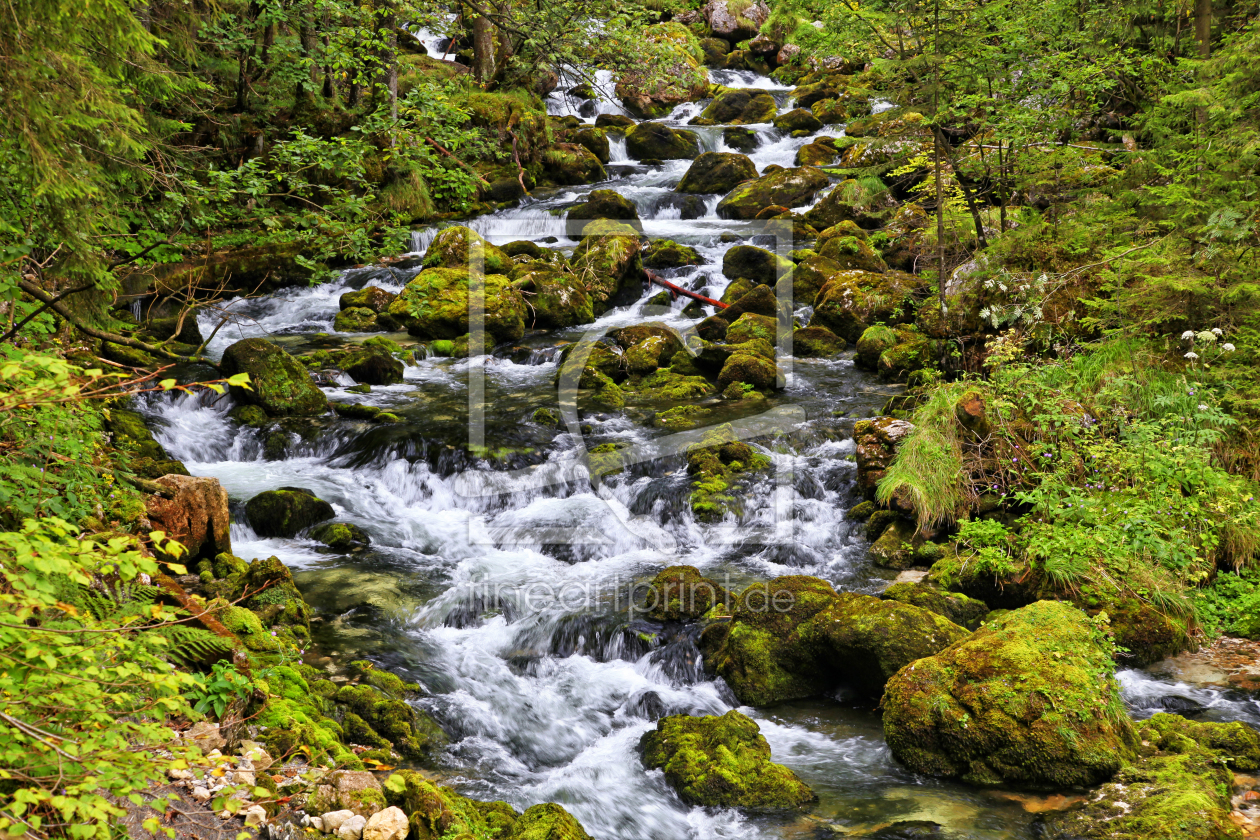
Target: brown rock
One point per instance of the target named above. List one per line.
(197, 516)
(877, 442)
(351, 790)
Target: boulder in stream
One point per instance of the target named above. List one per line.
(755, 264)
(717, 172)
(797, 120)
(606, 204)
(795, 636)
(721, 762)
(434, 812)
(853, 300)
(739, 106)
(609, 258)
(434, 305)
(570, 164)
(453, 247)
(285, 512)
(657, 141)
(666, 253)
(785, 188)
(1029, 699)
(196, 515)
(681, 593)
(278, 383)
(816, 343)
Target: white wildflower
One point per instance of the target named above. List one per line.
(1216, 331)
(1192, 355)
(1203, 406)
(1206, 335)
(1227, 347)
(1188, 335)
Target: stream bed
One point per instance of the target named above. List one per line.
(504, 586)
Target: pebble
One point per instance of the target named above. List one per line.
(200, 794)
(352, 829)
(333, 819)
(255, 815)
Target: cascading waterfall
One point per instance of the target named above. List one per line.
(508, 594)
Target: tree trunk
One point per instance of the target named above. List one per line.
(1203, 26)
(483, 49)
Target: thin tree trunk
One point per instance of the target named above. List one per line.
(1203, 26)
(483, 49)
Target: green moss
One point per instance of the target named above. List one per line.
(679, 593)
(963, 611)
(341, 536)
(249, 415)
(666, 386)
(548, 821)
(279, 384)
(785, 188)
(1028, 699)
(756, 370)
(284, 513)
(665, 253)
(681, 417)
(872, 344)
(438, 812)
(435, 305)
(853, 300)
(816, 342)
(721, 762)
(356, 319)
(895, 548)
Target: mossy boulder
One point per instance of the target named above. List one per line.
(372, 365)
(849, 251)
(1146, 634)
(759, 372)
(606, 204)
(741, 107)
(872, 344)
(854, 300)
(285, 512)
(369, 297)
(410, 732)
(1178, 790)
(434, 305)
(451, 249)
(756, 264)
(526, 248)
(717, 172)
(667, 385)
(759, 300)
(735, 20)
(1029, 699)
(570, 164)
(830, 111)
(713, 468)
(913, 351)
(810, 276)
(278, 383)
(557, 298)
(785, 188)
(657, 141)
(795, 637)
(742, 140)
(681, 593)
(798, 119)
(721, 762)
(818, 153)
(434, 812)
(357, 319)
(548, 821)
(609, 261)
(958, 608)
(750, 326)
(666, 253)
(816, 343)
(341, 536)
(595, 141)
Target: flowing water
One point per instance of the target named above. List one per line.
(503, 586)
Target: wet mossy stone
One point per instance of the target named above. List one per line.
(668, 386)
(410, 732)
(357, 319)
(798, 119)
(278, 383)
(451, 249)
(434, 812)
(872, 344)
(755, 264)
(548, 417)
(1029, 699)
(713, 328)
(657, 141)
(548, 821)
(665, 253)
(434, 305)
(681, 593)
(341, 536)
(369, 297)
(372, 365)
(715, 50)
(794, 637)
(606, 204)
(958, 608)
(854, 300)
(717, 173)
(1144, 634)
(735, 290)
(570, 164)
(850, 252)
(816, 154)
(721, 762)
(681, 418)
(557, 298)
(742, 140)
(610, 261)
(749, 326)
(356, 411)
(912, 352)
(741, 107)
(595, 141)
(1178, 790)
(525, 248)
(816, 343)
(284, 513)
(759, 301)
(757, 371)
(785, 187)
(614, 121)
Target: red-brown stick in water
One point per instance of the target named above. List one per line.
(679, 290)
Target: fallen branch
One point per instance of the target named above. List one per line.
(679, 290)
(437, 146)
(520, 170)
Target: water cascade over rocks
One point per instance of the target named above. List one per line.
(500, 555)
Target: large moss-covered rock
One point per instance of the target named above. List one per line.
(657, 141)
(680, 593)
(570, 164)
(854, 300)
(369, 297)
(759, 300)
(557, 298)
(372, 365)
(606, 204)
(846, 245)
(666, 253)
(434, 305)
(595, 140)
(755, 264)
(357, 319)
(341, 536)
(741, 107)
(795, 637)
(285, 512)
(821, 152)
(451, 249)
(785, 188)
(958, 608)
(797, 120)
(755, 370)
(816, 343)
(609, 261)
(750, 326)
(721, 762)
(740, 139)
(278, 383)
(382, 709)
(717, 172)
(1178, 790)
(1028, 699)
(735, 20)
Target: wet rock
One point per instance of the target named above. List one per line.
(681, 593)
(614, 121)
(1028, 699)
(846, 246)
(797, 120)
(786, 188)
(197, 515)
(1148, 635)
(609, 260)
(717, 172)
(721, 762)
(877, 442)
(837, 206)
(741, 107)
(373, 366)
(526, 248)
(742, 140)
(285, 512)
(453, 247)
(755, 370)
(356, 791)
(657, 141)
(434, 305)
(372, 298)
(570, 164)
(715, 50)
(357, 319)
(759, 301)
(816, 343)
(278, 383)
(595, 141)
(872, 344)
(854, 300)
(958, 608)
(747, 262)
(665, 253)
(606, 204)
(557, 297)
(341, 536)
(795, 637)
(818, 153)
(735, 20)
